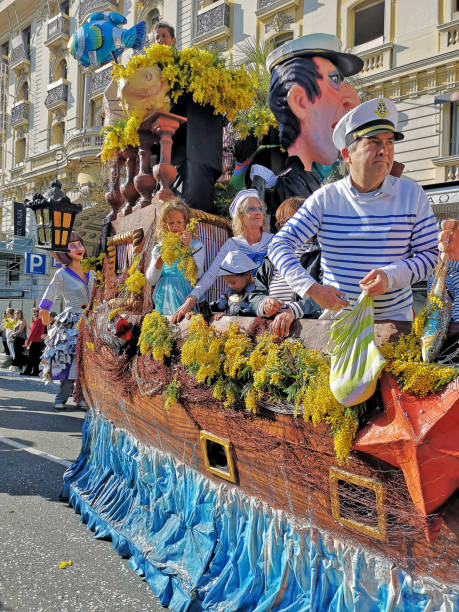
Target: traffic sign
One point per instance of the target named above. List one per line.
(35, 263)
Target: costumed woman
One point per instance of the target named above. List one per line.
(74, 286)
(171, 285)
(250, 225)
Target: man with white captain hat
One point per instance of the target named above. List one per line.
(377, 232)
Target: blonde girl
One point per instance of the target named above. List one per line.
(171, 287)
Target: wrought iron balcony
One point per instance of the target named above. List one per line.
(213, 21)
(57, 96)
(100, 80)
(267, 7)
(20, 114)
(58, 30)
(19, 58)
(95, 6)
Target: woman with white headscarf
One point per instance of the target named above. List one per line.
(251, 237)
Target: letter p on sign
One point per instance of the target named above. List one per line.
(35, 263)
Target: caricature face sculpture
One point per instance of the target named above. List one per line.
(308, 95)
(144, 93)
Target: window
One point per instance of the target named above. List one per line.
(64, 7)
(26, 40)
(20, 150)
(97, 113)
(4, 50)
(368, 21)
(454, 147)
(279, 40)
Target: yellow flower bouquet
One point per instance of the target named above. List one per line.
(173, 249)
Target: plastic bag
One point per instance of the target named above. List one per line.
(356, 362)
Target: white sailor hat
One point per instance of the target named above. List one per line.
(236, 262)
(323, 45)
(367, 119)
(239, 198)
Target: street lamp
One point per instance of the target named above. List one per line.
(54, 214)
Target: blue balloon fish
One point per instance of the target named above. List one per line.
(99, 39)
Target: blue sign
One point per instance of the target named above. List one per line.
(35, 263)
(55, 264)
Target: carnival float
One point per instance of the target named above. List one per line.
(215, 456)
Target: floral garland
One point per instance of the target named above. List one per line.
(156, 336)
(95, 263)
(404, 358)
(132, 287)
(122, 134)
(173, 249)
(239, 370)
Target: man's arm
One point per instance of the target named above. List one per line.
(423, 247)
(304, 224)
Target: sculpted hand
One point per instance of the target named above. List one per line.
(185, 237)
(328, 297)
(44, 316)
(280, 327)
(375, 282)
(185, 308)
(448, 239)
(271, 306)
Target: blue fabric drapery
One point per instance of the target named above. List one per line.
(207, 547)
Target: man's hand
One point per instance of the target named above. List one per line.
(328, 297)
(448, 239)
(271, 306)
(375, 282)
(280, 326)
(184, 309)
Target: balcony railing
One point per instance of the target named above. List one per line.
(20, 114)
(100, 80)
(449, 36)
(377, 59)
(58, 30)
(213, 20)
(95, 6)
(19, 57)
(450, 165)
(266, 7)
(57, 96)
(86, 141)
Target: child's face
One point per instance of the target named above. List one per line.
(237, 282)
(175, 222)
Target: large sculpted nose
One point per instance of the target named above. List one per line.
(350, 99)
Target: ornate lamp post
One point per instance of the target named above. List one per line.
(54, 214)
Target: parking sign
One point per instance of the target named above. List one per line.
(35, 263)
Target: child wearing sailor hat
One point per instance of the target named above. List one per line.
(236, 270)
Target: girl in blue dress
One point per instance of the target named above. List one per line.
(171, 288)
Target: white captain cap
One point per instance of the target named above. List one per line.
(236, 262)
(369, 118)
(240, 197)
(323, 45)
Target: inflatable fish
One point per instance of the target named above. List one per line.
(100, 39)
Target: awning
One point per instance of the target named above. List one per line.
(452, 96)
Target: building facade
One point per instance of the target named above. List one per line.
(51, 109)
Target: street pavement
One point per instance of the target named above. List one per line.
(37, 531)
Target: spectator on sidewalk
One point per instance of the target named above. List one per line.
(7, 327)
(18, 336)
(35, 345)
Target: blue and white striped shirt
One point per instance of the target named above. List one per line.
(392, 228)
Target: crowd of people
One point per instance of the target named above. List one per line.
(17, 336)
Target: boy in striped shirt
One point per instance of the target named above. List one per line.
(377, 232)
